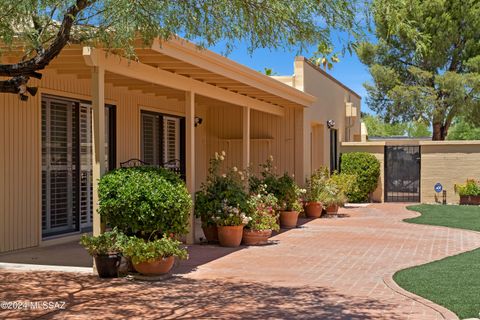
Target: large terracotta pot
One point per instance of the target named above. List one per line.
(230, 236)
(288, 219)
(158, 267)
(211, 233)
(255, 237)
(470, 200)
(332, 209)
(313, 209)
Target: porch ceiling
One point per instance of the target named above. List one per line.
(181, 58)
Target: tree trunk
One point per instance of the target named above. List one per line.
(440, 131)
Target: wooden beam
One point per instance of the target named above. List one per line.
(98, 141)
(143, 72)
(190, 157)
(246, 137)
(220, 65)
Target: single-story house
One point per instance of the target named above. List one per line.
(175, 106)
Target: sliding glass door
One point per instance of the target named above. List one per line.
(67, 190)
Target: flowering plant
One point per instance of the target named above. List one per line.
(336, 189)
(289, 194)
(262, 211)
(316, 184)
(231, 216)
(220, 193)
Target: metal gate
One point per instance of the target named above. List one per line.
(402, 173)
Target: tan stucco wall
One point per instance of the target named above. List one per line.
(446, 162)
(332, 97)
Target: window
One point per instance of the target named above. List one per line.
(163, 140)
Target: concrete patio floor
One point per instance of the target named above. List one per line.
(326, 269)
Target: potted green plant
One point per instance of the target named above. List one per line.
(263, 218)
(105, 249)
(469, 192)
(334, 194)
(145, 200)
(288, 195)
(313, 206)
(222, 201)
(153, 257)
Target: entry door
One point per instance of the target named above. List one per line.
(67, 177)
(333, 150)
(402, 173)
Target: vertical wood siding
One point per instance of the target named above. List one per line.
(20, 145)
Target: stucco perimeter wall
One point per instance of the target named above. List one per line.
(445, 162)
(378, 150)
(448, 162)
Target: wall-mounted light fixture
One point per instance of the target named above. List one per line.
(197, 121)
(330, 124)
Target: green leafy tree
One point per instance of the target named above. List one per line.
(40, 29)
(376, 127)
(425, 63)
(462, 130)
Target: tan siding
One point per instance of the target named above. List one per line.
(18, 173)
(20, 149)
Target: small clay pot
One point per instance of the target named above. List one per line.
(255, 237)
(230, 236)
(288, 219)
(313, 209)
(211, 233)
(332, 209)
(157, 267)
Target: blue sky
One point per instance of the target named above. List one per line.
(349, 70)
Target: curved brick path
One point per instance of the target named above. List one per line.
(328, 269)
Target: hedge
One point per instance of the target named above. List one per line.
(366, 168)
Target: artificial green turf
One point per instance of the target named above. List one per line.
(453, 282)
(463, 217)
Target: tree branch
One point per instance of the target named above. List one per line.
(22, 71)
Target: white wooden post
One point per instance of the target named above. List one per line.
(190, 156)
(98, 140)
(246, 137)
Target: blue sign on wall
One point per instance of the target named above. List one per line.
(438, 187)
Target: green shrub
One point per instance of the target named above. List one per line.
(144, 200)
(109, 242)
(367, 170)
(139, 250)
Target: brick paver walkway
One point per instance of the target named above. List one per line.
(327, 269)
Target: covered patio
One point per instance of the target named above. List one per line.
(222, 105)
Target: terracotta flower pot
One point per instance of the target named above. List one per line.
(288, 219)
(255, 237)
(313, 209)
(230, 236)
(332, 209)
(157, 267)
(470, 200)
(211, 233)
